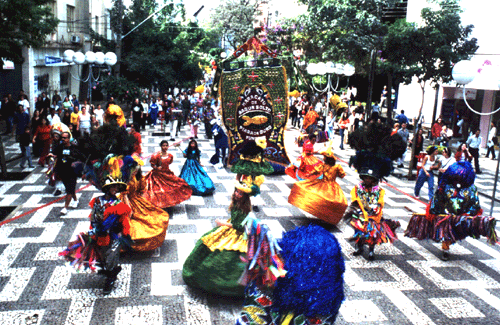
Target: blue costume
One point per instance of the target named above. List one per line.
(194, 174)
(221, 145)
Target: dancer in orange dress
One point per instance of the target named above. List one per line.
(307, 165)
(163, 188)
(323, 198)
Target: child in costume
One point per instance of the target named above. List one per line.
(148, 223)
(251, 161)
(307, 165)
(109, 223)
(221, 144)
(454, 212)
(377, 148)
(162, 187)
(323, 198)
(193, 173)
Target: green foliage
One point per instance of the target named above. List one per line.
(24, 23)
(429, 51)
(233, 20)
(159, 52)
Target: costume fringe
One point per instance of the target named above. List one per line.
(452, 228)
(264, 265)
(373, 233)
(82, 253)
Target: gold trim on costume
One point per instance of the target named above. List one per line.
(225, 238)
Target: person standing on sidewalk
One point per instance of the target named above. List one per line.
(343, 125)
(426, 172)
(492, 141)
(25, 142)
(474, 142)
(405, 135)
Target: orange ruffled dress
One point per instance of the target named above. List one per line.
(307, 165)
(148, 223)
(323, 198)
(163, 188)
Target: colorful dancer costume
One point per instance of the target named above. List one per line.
(454, 212)
(251, 161)
(215, 264)
(308, 291)
(307, 165)
(323, 198)
(109, 222)
(373, 160)
(163, 188)
(193, 173)
(148, 223)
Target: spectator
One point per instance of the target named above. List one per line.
(419, 145)
(445, 136)
(294, 112)
(492, 141)
(42, 134)
(53, 117)
(36, 120)
(405, 135)
(330, 121)
(208, 115)
(75, 101)
(436, 129)
(153, 112)
(343, 125)
(67, 105)
(56, 100)
(426, 173)
(66, 119)
(474, 142)
(74, 116)
(45, 103)
(462, 153)
(22, 120)
(24, 103)
(66, 153)
(401, 118)
(8, 111)
(145, 113)
(445, 161)
(84, 122)
(136, 113)
(25, 142)
(395, 129)
(99, 116)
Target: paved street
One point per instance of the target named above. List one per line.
(406, 284)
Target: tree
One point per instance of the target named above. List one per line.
(24, 23)
(233, 19)
(429, 51)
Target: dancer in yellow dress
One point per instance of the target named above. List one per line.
(148, 223)
(323, 198)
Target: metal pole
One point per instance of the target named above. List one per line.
(495, 185)
(119, 38)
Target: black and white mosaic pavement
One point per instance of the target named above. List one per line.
(406, 284)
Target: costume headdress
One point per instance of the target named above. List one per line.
(375, 150)
(114, 112)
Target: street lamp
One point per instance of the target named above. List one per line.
(329, 69)
(94, 60)
(464, 72)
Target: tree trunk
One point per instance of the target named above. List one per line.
(371, 77)
(415, 132)
(389, 99)
(3, 164)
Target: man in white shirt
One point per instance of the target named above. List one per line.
(474, 142)
(25, 103)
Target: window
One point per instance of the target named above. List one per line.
(70, 18)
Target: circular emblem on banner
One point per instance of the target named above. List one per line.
(254, 113)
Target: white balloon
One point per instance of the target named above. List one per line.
(349, 69)
(79, 58)
(464, 72)
(99, 58)
(68, 56)
(110, 58)
(90, 57)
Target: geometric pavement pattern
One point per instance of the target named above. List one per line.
(406, 284)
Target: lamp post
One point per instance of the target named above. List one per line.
(464, 72)
(95, 61)
(329, 69)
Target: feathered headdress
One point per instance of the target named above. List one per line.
(375, 150)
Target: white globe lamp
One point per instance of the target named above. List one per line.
(464, 72)
(339, 68)
(110, 58)
(68, 56)
(311, 69)
(321, 68)
(99, 58)
(79, 58)
(349, 69)
(90, 57)
(330, 67)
